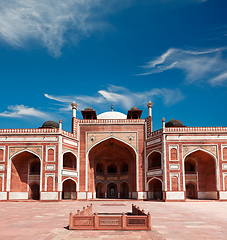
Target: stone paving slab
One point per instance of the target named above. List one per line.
(169, 220)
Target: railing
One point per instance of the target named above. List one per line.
(190, 172)
(154, 168)
(69, 168)
(158, 132)
(30, 130)
(36, 130)
(196, 129)
(111, 121)
(137, 220)
(68, 134)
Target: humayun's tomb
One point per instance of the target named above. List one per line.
(113, 155)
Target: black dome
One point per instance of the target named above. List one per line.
(50, 124)
(174, 123)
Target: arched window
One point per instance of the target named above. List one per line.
(112, 170)
(50, 184)
(174, 182)
(225, 153)
(1, 184)
(69, 161)
(124, 168)
(154, 161)
(190, 167)
(99, 168)
(173, 153)
(51, 155)
(35, 167)
(1, 154)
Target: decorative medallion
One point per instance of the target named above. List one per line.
(130, 138)
(92, 138)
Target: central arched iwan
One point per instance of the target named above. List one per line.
(112, 161)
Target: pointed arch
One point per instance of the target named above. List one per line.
(153, 152)
(9, 168)
(104, 139)
(69, 151)
(25, 150)
(70, 160)
(155, 186)
(130, 148)
(155, 178)
(69, 178)
(68, 190)
(205, 172)
(200, 149)
(112, 190)
(155, 161)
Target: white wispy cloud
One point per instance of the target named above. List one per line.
(53, 23)
(19, 111)
(121, 97)
(219, 80)
(198, 66)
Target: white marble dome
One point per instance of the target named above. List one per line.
(112, 115)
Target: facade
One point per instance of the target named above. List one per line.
(113, 155)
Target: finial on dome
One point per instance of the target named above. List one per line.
(150, 104)
(163, 119)
(60, 124)
(74, 107)
(111, 107)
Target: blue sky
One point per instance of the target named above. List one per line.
(125, 53)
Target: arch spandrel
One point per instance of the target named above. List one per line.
(128, 137)
(209, 148)
(153, 150)
(14, 150)
(64, 150)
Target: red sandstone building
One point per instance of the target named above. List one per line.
(113, 155)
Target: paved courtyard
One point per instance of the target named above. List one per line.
(170, 220)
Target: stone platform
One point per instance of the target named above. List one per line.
(169, 220)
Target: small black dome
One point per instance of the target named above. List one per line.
(174, 123)
(50, 124)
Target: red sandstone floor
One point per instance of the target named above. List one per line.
(171, 220)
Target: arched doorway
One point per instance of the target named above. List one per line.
(124, 190)
(191, 191)
(112, 190)
(34, 191)
(155, 189)
(69, 189)
(25, 175)
(200, 175)
(100, 190)
(112, 161)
